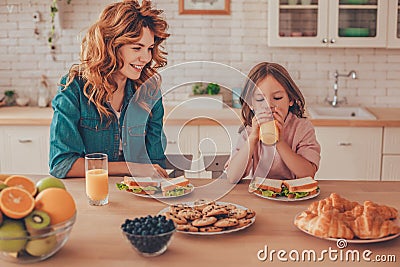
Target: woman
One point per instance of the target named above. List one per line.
(116, 77)
(297, 151)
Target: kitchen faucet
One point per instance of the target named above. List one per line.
(335, 101)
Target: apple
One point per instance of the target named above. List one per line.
(12, 229)
(49, 182)
(41, 246)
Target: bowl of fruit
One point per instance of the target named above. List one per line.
(150, 235)
(35, 219)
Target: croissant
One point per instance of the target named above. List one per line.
(351, 215)
(369, 227)
(334, 201)
(322, 206)
(325, 225)
(340, 218)
(382, 210)
(341, 203)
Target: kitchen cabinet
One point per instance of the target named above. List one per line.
(183, 140)
(394, 24)
(391, 154)
(24, 149)
(327, 23)
(349, 153)
(200, 140)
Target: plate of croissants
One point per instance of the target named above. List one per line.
(335, 218)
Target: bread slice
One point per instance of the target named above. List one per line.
(173, 183)
(273, 185)
(140, 181)
(306, 184)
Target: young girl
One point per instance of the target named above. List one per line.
(120, 54)
(297, 152)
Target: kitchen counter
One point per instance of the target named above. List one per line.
(34, 116)
(386, 117)
(96, 238)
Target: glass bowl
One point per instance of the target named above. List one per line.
(31, 248)
(150, 245)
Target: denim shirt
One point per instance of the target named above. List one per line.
(77, 129)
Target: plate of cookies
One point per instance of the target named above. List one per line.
(203, 217)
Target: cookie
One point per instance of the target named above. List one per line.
(175, 218)
(204, 221)
(186, 228)
(176, 208)
(242, 222)
(210, 207)
(229, 207)
(227, 222)
(190, 214)
(237, 213)
(210, 229)
(200, 204)
(213, 210)
(250, 214)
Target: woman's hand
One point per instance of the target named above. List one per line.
(147, 170)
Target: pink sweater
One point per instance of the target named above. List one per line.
(299, 134)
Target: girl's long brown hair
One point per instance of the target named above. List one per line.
(119, 24)
(258, 73)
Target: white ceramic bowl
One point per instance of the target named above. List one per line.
(22, 101)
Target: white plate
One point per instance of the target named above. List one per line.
(354, 241)
(159, 195)
(286, 199)
(213, 233)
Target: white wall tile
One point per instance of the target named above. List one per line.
(238, 40)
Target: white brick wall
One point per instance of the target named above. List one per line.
(238, 40)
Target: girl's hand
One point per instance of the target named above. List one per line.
(258, 119)
(279, 120)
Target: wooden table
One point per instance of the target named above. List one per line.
(96, 239)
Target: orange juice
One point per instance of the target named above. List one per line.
(97, 184)
(269, 133)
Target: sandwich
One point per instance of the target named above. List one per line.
(140, 185)
(176, 187)
(267, 187)
(296, 188)
(300, 187)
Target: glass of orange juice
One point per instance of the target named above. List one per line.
(96, 169)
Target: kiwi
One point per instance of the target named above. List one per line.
(36, 221)
(2, 185)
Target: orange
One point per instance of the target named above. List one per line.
(16, 202)
(57, 203)
(3, 176)
(22, 182)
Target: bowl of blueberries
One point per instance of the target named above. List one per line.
(150, 235)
